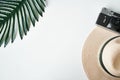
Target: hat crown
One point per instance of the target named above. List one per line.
(111, 57)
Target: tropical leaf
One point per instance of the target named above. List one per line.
(16, 16)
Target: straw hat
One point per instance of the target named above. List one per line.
(101, 55)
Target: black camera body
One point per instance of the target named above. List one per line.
(109, 19)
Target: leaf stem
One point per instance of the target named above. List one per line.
(12, 13)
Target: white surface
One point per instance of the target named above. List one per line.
(52, 50)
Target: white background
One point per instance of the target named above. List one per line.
(52, 50)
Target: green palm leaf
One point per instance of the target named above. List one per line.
(16, 16)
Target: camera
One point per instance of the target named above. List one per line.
(109, 19)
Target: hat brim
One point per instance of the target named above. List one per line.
(91, 51)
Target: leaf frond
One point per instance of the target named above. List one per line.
(16, 16)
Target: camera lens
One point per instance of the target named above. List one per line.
(115, 23)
